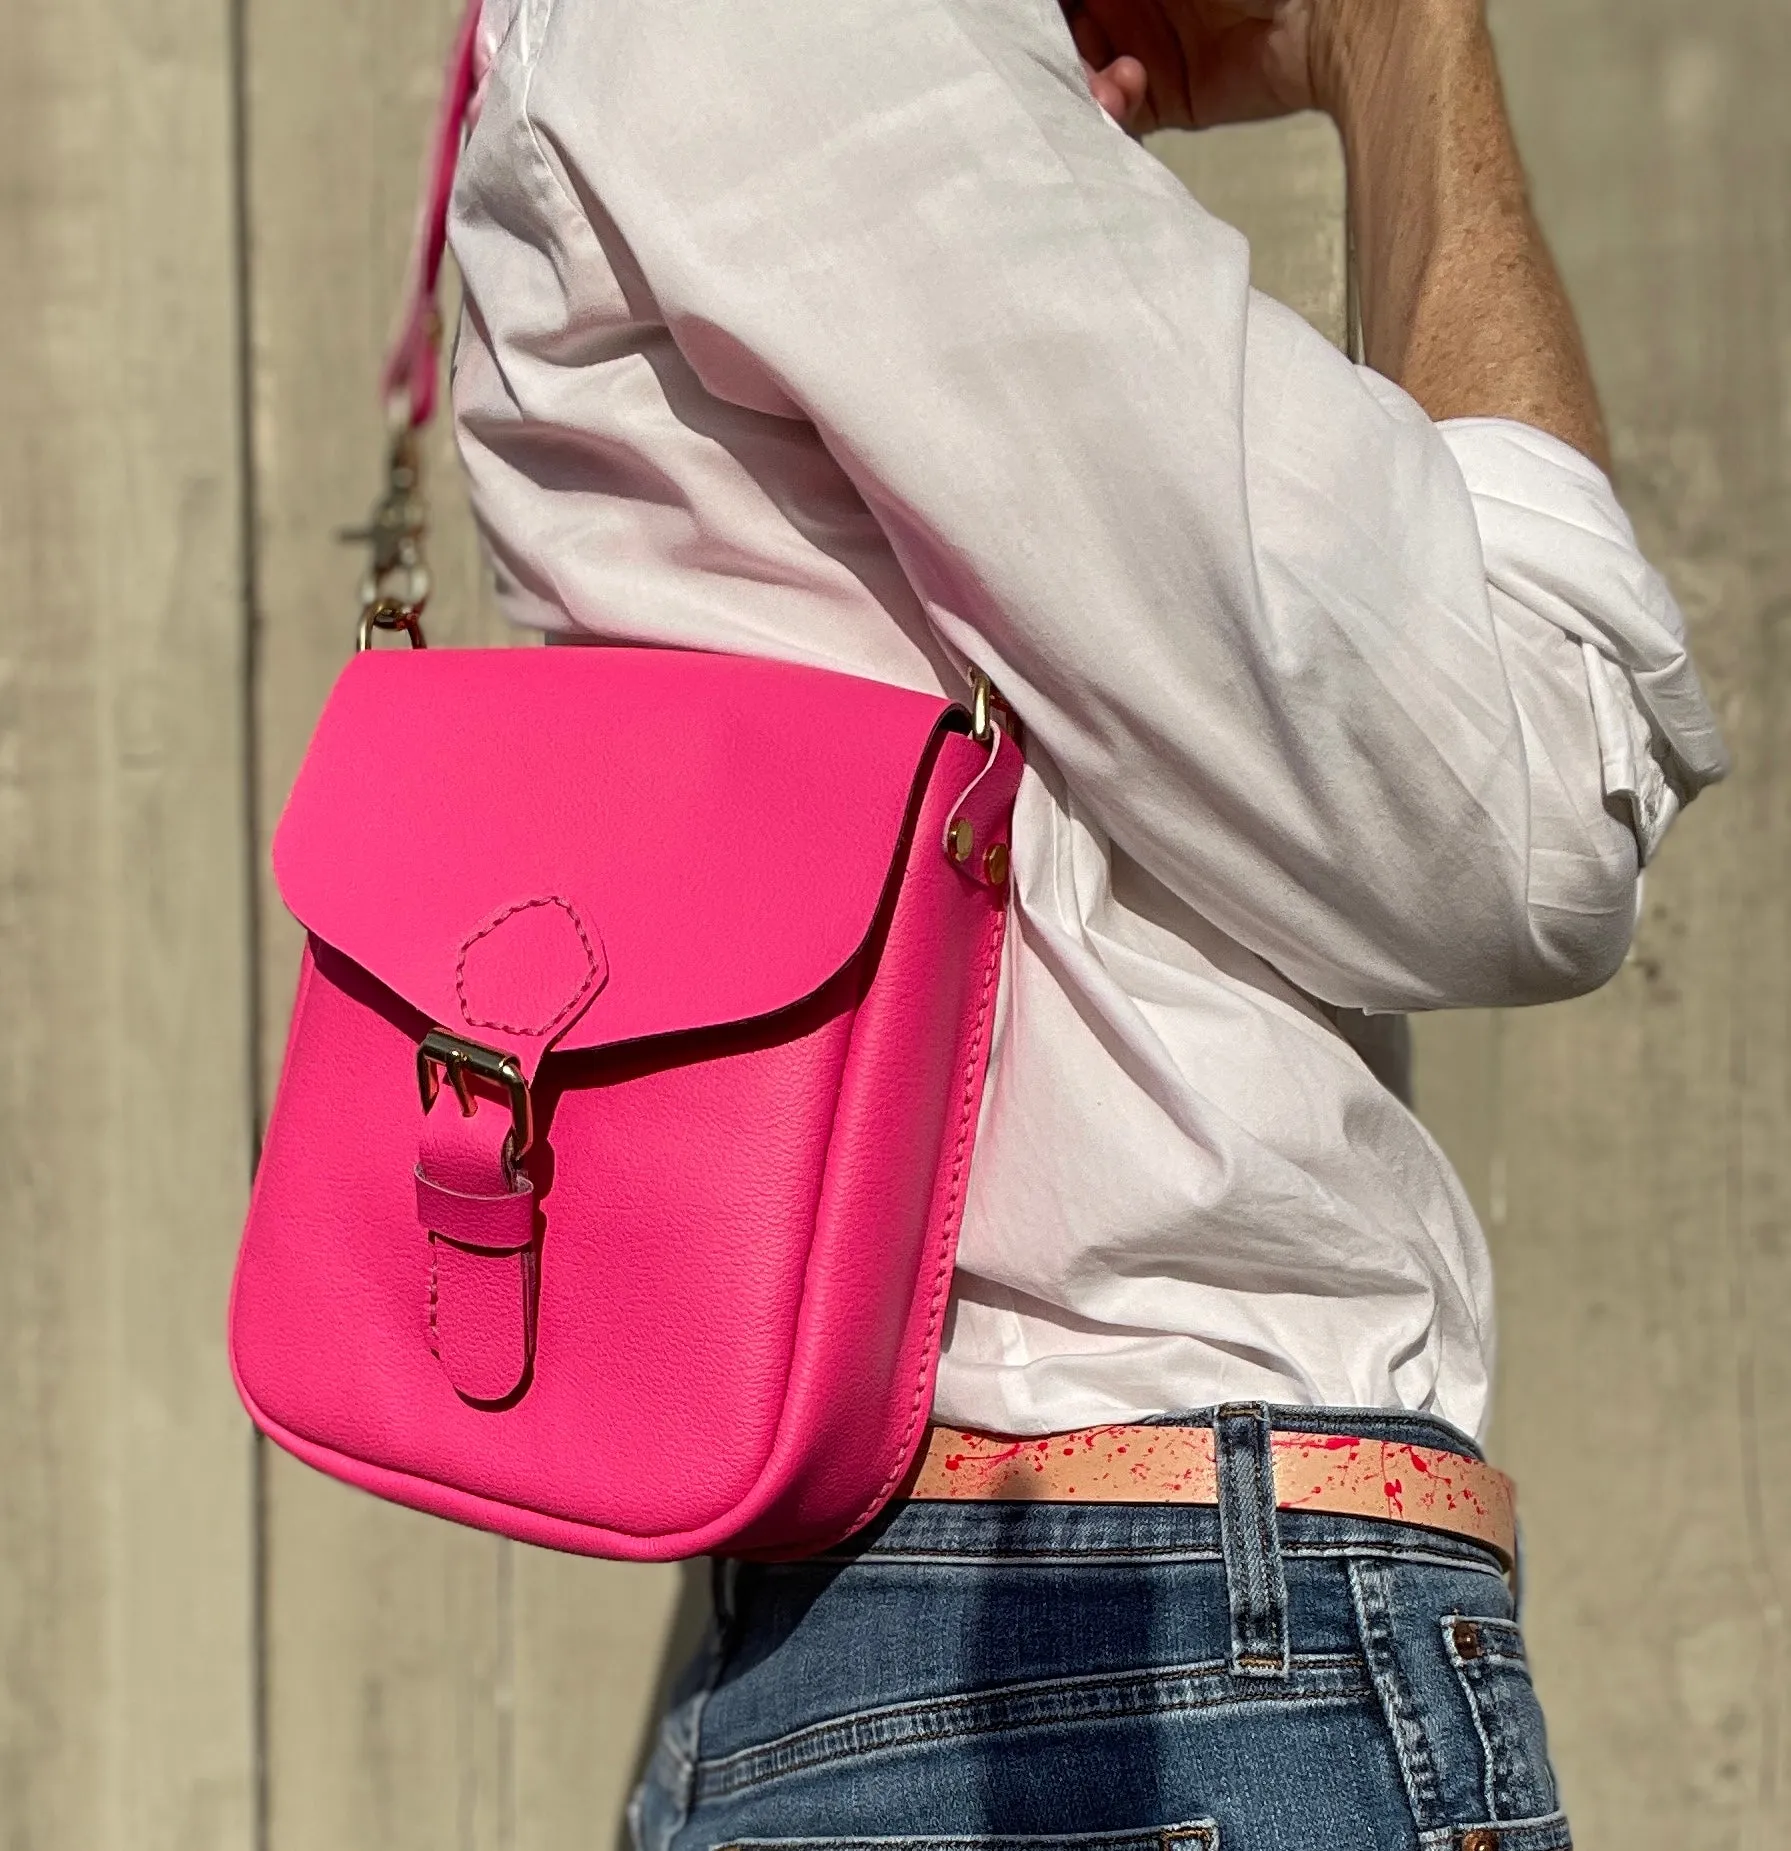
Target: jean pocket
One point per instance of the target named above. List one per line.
(1488, 1656)
(1194, 1835)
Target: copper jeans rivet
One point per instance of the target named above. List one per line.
(1479, 1841)
(1467, 1644)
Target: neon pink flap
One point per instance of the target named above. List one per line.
(598, 844)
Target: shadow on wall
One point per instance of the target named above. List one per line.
(689, 1618)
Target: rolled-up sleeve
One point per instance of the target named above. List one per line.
(1400, 708)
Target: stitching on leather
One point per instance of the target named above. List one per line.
(948, 1248)
(485, 931)
(435, 1342)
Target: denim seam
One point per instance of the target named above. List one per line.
(1065, 1557)
(1537, 1822)
(1208, 1685)
(1239, 1697)
(1512, 1834)
(1005, 1557)
(1093, 1680)
(1426, 1557)
(1492, 1757)
(1488, 1788)
(1510, 1652)
(1405, 1725)
(1145, 1838)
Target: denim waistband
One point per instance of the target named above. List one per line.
(1134, 1647)
(1407, 1429)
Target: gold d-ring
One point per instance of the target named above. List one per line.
(389, 614)
(981, 720)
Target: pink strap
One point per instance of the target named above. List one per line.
(407, 382)
(976, 834)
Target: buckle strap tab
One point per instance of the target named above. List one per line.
(477, 1211)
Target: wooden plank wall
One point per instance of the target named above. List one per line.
(125, 1546)
(202, 1644)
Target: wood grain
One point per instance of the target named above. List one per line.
(1630, 1152)
(596, 1646)
(124, 1136)
(386, 1633)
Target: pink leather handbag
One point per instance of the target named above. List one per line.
(611, 1191)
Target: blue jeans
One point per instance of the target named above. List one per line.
(1105, 1677)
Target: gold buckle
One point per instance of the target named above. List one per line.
(444, 1056)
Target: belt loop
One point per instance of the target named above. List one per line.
(1250, 1537)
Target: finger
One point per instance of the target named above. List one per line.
(1119, 89)
(1142, 31)
(1115, 101)
(1127, 78)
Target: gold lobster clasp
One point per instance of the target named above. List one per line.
(396, 583)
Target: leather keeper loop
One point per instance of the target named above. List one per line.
(480, 1223)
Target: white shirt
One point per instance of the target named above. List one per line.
(853, 332)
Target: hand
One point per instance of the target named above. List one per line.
(1118, 86)
(1155, 64)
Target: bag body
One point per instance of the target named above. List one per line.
(611, 1191)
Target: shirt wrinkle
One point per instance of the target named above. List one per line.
(1321, 699)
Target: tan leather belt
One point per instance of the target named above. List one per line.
(1343, 1474)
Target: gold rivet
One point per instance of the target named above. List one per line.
(1467, 1645)
(1480, 1841)
(995, 863)
(960, 839)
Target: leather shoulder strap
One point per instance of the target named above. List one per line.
(408, 380)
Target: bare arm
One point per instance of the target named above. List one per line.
(1462, 304)
(1461, 301)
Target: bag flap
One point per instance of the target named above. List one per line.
(587, 846)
